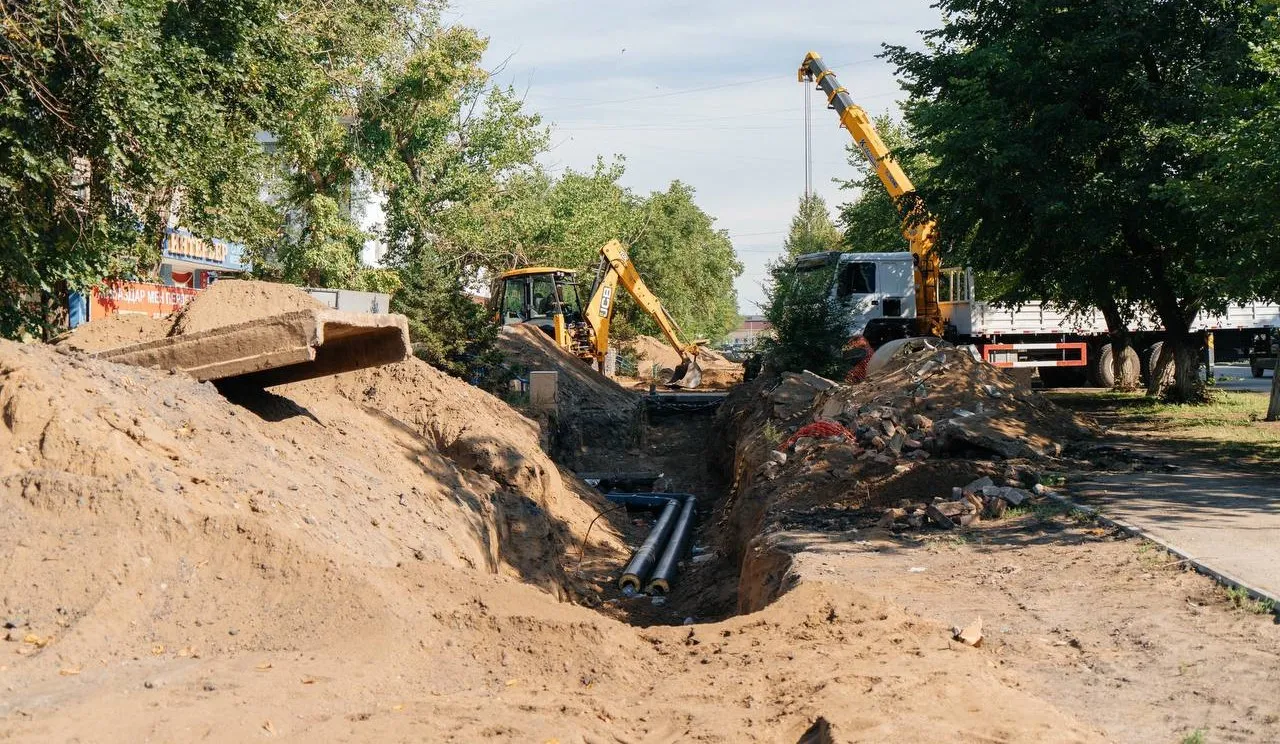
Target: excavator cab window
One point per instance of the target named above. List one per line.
(570, 301)
(513, 300)
(544, 297)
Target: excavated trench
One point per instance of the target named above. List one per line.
(707, 453)
(757, 507)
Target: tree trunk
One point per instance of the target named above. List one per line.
(1273, 409)
(1121, 342)
(1184, 352)
(1159, 369)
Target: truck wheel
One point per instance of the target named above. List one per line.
(1152, 358)
(1103, 367)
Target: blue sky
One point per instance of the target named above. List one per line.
(702, 92)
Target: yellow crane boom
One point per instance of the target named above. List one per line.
(918, 227)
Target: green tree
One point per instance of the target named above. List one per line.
(111, 113)
(1064, 135)
(809, 325)
(812, 230)
(686, 261)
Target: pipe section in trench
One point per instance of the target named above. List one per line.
(658, 557)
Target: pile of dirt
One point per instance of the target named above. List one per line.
(115, 331)
(592, 411)
(806, 448)
(717, 371)
(227, 302)
(232, 301)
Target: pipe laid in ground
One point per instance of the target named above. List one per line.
(677, 545)
(653, 548)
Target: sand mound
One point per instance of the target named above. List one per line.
(116, 330)
(592, 411)
(227, 302)
(379, 556)
(579, 385)
(231, 301)
(717, 371)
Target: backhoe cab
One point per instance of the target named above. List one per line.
(549, 298)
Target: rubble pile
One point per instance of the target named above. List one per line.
(979, 500)
(930, 403)
(934, 435)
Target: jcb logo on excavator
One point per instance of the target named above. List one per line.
(606, 296)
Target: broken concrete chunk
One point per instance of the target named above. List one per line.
(937, 517)
(1014, 496)
(970, 635)
(890, 516)
(830, 409)
(978, 485)
(953, 508)
(916, 520)
(817, 382)
(923, 423)
(993, 391)
(778, 457)
(896, 442)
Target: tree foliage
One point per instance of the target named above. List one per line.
(812, 230)
(810, 327)
(109, 111)
(119, 118)
(1067, 137)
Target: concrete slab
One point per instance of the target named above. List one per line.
(1225, 521)
(278, 349)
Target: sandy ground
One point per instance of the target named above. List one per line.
(391, 555)
(1104, 626)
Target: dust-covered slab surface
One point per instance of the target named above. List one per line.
(1228, 521)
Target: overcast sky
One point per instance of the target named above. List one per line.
(704, 92)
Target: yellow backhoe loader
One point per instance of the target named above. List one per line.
(549, 297)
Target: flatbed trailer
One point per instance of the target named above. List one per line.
(1067, 349)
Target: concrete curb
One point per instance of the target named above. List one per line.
(1222, 577)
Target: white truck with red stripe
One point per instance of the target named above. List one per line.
(878, 290)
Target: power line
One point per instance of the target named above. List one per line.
(699, 89)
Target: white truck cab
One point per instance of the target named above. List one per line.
(875, 288)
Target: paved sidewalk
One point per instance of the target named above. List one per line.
(1229, 522)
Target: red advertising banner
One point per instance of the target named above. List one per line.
(156, 300)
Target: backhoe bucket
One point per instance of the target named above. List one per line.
(687, 375)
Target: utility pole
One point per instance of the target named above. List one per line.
(808, 143)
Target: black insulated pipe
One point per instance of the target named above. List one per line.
(677, 546)
(653, 549)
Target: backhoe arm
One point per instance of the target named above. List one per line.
(921, 234)
(617, 268)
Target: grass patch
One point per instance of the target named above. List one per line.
(1047, 511)
(772, 434)
(1229, 430)
(1240, 599)
(1195, 737)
